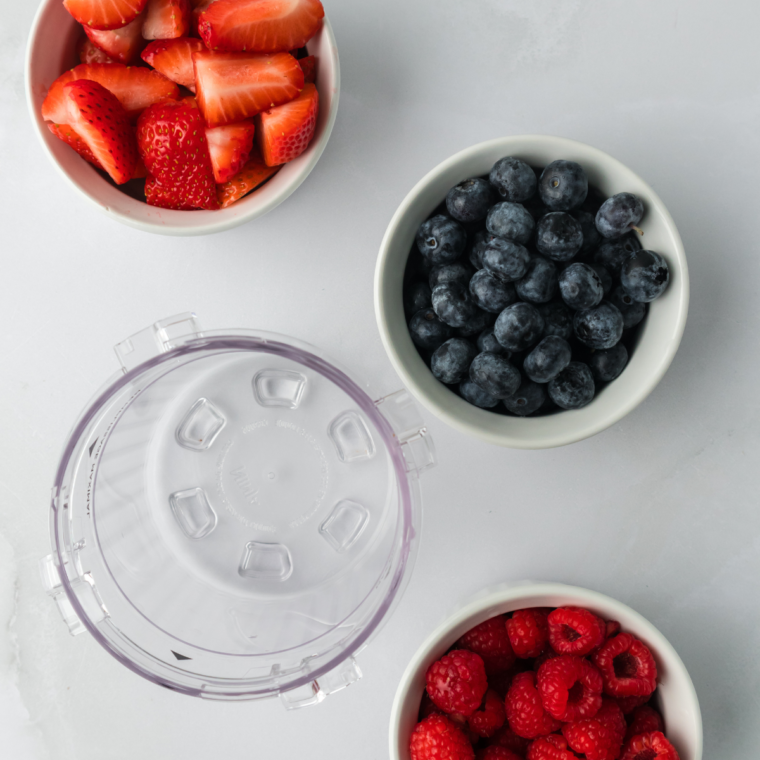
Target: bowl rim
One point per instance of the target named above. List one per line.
(382, 296)
(167, 227)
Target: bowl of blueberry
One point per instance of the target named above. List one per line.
(531, 291)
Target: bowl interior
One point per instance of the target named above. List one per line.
(675, 692)
(52, 50)
(659, 334)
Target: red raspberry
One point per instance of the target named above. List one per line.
(627, 666)
(552, 747)
(528, 632)
(573, 630)
(593, 740)
(496, 753)
(490, 718)
(612, 629)
(651, 746)
(629, 704)
(611, 716)
(457, 682)
(437, 738)
(491, 642)
(644, 720)
(507, 738)
(570, 688)
(525, 713)
(549, 654)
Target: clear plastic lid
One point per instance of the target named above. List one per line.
(234, 516)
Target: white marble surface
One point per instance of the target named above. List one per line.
(660, 511)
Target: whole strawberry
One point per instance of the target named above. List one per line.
(457, 682)
(438, 738)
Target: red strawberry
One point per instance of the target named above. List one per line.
(309, 67)
(172, 142)
(104, 14)
(229, 147)
(260, 26)
(248, 178)
(121, 45)
(166, 19)
(198, 7)
(88, 53)
(235, 86)
(285, 132)
(174, 59)
(136, 88)
(101, 121)
(71, 137)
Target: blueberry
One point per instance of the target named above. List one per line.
(476, 324)
(618, 215)
(633, 311)
(539, 284)
(458, 272)
(606, 365)
(591, 237)
(427, 330)
(604, 276)
(613, 253)
(600, 327)
(476, 396)
(469, 200)
(506, 259)
(495, 375)
(528, 398)
(563, 185)
(519, 327)
(513, 179)
(490, 292)
(416, 297)
(510, 221)
(441, 240)
(573, 388)
(645, 275)
(558, 319)
(580, 286)
(487, 342)
(480, 242)
(451, 362)
(559, 236)
(547, 359)
(453, 304)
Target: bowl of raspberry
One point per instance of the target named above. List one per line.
(183, 117)
(545, 671)
(531, 291)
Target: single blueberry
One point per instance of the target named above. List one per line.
(559, 236)
(490, 292)
(476, 396)
(451, 361)
(580, 286)
(519, 326)
(480, 242)
(453, 304)
(510, 221)
(427, 330)
(604, 276)
(487, 342)
(416, 297)
(475, 324)
(573, 388)
(613, 253)
(619, 215)
(506, 259)
(591, 237)
(558, 319)
(458, 272)
(645, 275)
(513, 179)
(606, 365)
(527, 399)
(599, 327)
(441, 240)
(633, 311)
(539, 284)
(495, 375)
(563, 185)
(469, 200)
(547, 359)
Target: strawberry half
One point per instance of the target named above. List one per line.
(253, 174)
(174, 59)
(122, 45)
(229, 147)
(198, 7)
(260, 26)
(136, 88)
(104, 14)
(171, 139)
(309, 67)
(235, 86)
(99, 119)
(166, 19)
(89, 53)
(285, 132)
(71, 137)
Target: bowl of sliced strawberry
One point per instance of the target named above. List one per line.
(153, 109)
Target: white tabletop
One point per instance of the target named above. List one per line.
(660, 511)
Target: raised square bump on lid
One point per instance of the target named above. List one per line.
(275, 387)
(351, 437)
(200, 426)
(193, 513)
(266, 561)
(344, 525)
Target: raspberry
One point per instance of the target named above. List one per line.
(627, 667)
(457, 682)
(629, 704)
(570, 688)
(612, 629)
(651, 746)
(549, 654)
(573, 630)
(644, 720)
(437, 738)
(593, 740)
(496, 753)
(507, 738)
(611, 716)
(528, 632)
(490, 718)
(552, 747)
(491, 642)
(525, 713)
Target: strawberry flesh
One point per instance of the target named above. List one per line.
(71, 137)
(89, 53)
(104, 14)
(309, 67)
(174, 59)
(166, 19)
(121, 45)
(229, 147)
(248, 178)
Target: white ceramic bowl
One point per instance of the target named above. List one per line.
(52, 50)
(659, 336)
(678, 701)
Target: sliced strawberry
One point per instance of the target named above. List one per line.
(140, 171)
(122, 45)
(198, 7)
(88, 53)
(309, 67)
(171, 140)
(260, 26)
(104, 14)
(248, 178)
(174, 59)
(229, 147)
(71, 137)
(135, 87)
(166, 19)
(283, 133)
(101, 121)
(235, 86)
